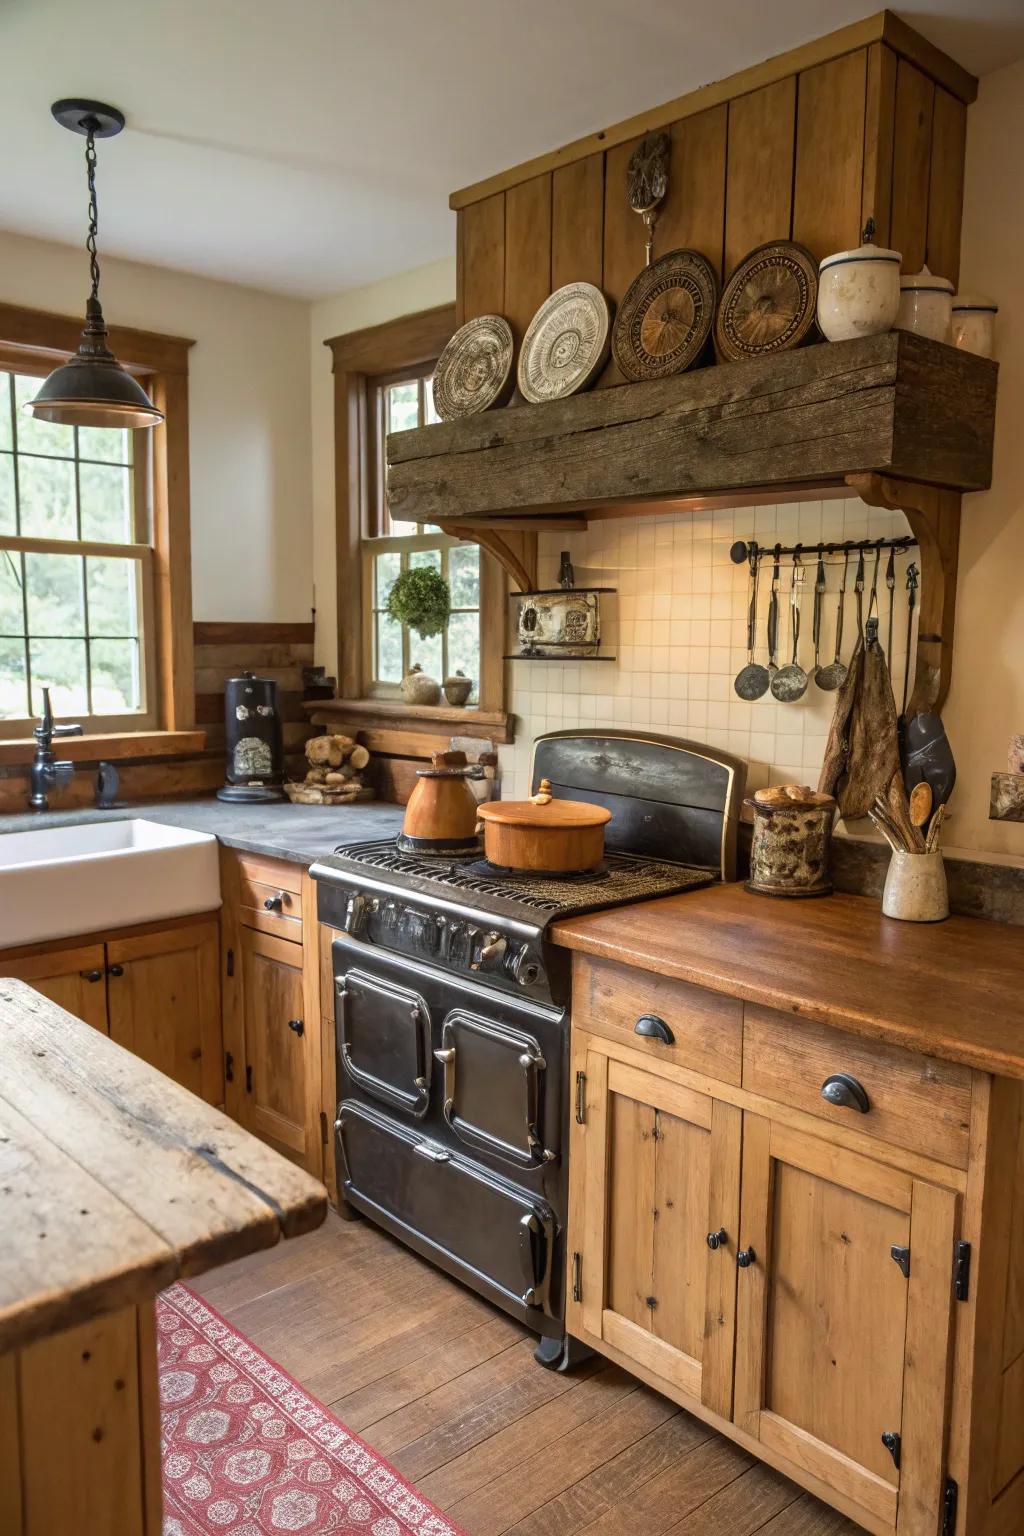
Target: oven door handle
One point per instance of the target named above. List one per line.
(533, 1065)
(533, 1257)
(445, 1057)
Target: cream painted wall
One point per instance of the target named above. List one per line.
(422, 288)
(249, 417)
(986, 701)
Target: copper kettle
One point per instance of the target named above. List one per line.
(442, 812)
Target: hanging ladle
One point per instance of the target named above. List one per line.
(790, 681)
(753, 680)
(829, 678)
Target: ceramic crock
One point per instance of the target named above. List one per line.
(419, 688)
(915, 887)
(859, 290)
(973, 324)
(925, 304)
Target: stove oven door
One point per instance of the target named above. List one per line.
(489, 1233)
(495, 1079)
(383, 1031)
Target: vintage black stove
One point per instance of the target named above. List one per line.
(452, 1009)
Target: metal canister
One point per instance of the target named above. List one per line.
(789, 854)
(254, 740)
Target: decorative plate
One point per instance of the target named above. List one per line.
(474, 371)
(666, 316)
(769, 302)
(566, 344)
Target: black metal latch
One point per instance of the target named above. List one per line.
(961, 1270)
(901, 1257)
(577, 1277)
(950, 1500)
(893, 1444)
(581, 1098)
(229, 1067)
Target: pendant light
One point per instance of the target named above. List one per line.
(92, 389)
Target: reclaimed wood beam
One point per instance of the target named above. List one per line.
(896, 405)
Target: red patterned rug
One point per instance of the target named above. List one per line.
(248, 1452)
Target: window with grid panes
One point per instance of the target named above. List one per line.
(75, 568)
(399, 404)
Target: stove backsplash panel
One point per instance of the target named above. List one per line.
(678, 629)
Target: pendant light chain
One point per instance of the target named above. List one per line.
(90, 243)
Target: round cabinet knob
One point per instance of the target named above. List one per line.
(297, 1026)
(115, 970)
(274, 903)
(717, 1239)
(845, 1092)
(91, 975)
(746, 1257)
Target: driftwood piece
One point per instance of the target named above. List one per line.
(896, 404)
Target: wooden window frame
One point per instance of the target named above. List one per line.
(35, 341)
(362, 361)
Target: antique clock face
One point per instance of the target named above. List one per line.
(769, 302)
(666, 316)
(566, 345)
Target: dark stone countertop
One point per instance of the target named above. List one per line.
(302, 833)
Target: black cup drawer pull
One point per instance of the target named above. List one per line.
(652, 1028)
(845, 1092)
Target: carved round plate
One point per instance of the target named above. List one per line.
(768, 303)
(474, 371)
(666, 316)
(566, 344)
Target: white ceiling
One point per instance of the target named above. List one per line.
(308, 146)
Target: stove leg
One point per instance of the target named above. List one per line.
(561, 1354)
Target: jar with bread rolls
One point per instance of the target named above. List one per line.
(789, 853)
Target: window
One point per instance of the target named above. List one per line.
(398, 403)
(75, 569)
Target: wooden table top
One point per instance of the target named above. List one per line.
(115, 1181)
(953, 989)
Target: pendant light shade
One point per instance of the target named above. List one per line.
(92, 389)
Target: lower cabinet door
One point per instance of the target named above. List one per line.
(654, 1214)
(842, 1357)
(75, 979)
(163, 993)
(276, 1097)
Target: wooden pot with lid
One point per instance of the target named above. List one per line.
(544, 834)
(442, 813)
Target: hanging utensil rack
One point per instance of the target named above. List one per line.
(745, 550)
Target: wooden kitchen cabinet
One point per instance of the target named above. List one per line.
(164, 1003)
(272, 1022)
(74, 978)
(656, 1213)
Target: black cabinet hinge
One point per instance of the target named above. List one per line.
(230, 962)
(893, 1444)
(248, 1079)
(229, 1067)
(581, 1098)
(323, 1128)
(961, 1270)
(577, 1277)
(950, 1501)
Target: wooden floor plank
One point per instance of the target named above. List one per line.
(445, 1386)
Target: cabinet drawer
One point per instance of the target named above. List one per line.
(707, 1030)
(280, 885)
(913, 1101)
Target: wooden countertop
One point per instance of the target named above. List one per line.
(953, 989)
(115, 1181)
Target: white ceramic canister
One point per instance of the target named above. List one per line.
(859, 291)
(973, 324)
(915, 887)
(925, 304)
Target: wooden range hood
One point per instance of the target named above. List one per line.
(897, 419)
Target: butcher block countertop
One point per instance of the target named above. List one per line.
(953, 990)
(115, 1181)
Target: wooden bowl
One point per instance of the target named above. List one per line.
(544, 834)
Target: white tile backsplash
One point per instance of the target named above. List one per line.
(677, 627)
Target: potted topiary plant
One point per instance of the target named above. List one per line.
(420, 598)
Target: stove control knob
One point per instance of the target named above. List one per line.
(356, 912)
(490, 953)
(524, 969)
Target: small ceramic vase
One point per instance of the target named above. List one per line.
(859, 291)
(973, 324)
(915, 887)
(418, 688)
(925, 305)
(458, 688)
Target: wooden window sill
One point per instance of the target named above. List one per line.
(112, 747)
(490, 724)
